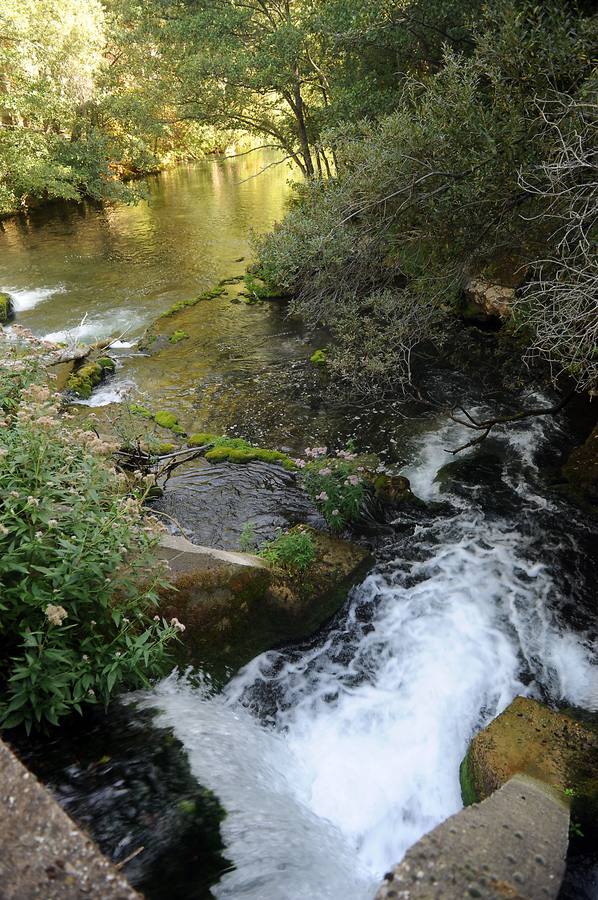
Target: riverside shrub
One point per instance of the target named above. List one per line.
(78, 577)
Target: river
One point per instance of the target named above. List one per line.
(333, 756)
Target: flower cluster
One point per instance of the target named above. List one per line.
(337, 483)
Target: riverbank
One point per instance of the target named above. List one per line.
(331, 755)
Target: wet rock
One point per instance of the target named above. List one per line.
(43, 854)
(532, 739)
(581, 469)
(6, 308)
(214, 502)
(83, 380)
(511, 845)
(234, 606)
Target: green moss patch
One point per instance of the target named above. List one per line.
(319, 357)
(177, 336)
(237, 450)
(245, 455)
(82, 382)
(193, 301)
(6, 308)
(162, 418)
(168, 420)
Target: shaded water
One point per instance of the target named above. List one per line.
(330, 757)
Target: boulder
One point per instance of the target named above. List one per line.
(235, 606)
(550, 746)
(6, 308)
(485, 299)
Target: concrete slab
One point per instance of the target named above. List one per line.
(43, 854)
(512, 845)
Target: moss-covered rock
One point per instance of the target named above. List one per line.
(550, 746)
(83, 380)
(235, 606)
(394, 490)
(6, 308)
(249, 454)
(168, 420)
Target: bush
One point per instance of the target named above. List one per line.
(78, 575)
(294, 551)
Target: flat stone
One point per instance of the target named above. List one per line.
(512, 845)
(43, 854)
(235, 606)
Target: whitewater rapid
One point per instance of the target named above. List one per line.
(332, 758)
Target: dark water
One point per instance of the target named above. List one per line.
(492, 597)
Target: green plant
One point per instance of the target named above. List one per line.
(177, 336)
(337, 484)
(79, 580)
(319, 357)
(294, 550)
(247, 538)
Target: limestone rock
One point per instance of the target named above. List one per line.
(550, 746)
(235, 606)
(486, 299)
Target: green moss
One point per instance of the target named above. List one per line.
(468, 791)
(245, 455)
(5, 308)
(168, 420)
(82, 382)
(177, 336)
(319, 357)
(164, 449)
(201, 438)
(106, 364)
(141, 411)
(185, 304)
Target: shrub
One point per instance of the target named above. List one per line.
(78, 576)
(294, 551)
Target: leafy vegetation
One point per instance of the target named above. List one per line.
(78, 575)
(337, 483)
(488, 153)
(294, 551)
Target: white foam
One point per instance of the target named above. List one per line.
(29, 298)
(332, 761)
(109, 392)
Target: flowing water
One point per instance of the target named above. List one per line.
(333, 756)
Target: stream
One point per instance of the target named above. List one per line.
(332, 756)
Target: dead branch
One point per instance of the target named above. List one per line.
(487, 425)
